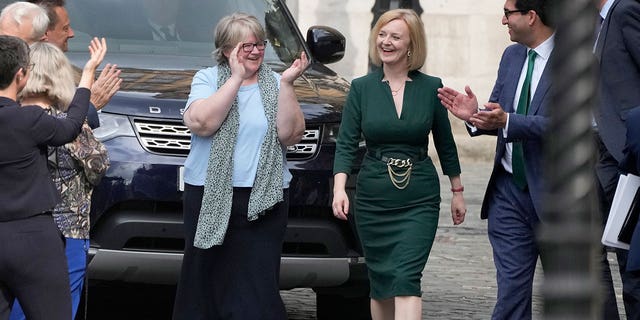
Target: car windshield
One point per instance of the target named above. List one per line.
(174, 34)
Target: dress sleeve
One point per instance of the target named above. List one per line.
(443, 139)
(350, 132)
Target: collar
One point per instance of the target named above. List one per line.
(8, 102)
(605, 9)
(545, 48)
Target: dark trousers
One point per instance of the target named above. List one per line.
(512, 227)
(607, 173)
(240, 278)
(33, 269)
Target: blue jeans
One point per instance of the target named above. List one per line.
(76, 252)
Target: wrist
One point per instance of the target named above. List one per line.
(459, 189)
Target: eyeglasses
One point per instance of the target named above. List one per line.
(508, 12)
(30, 66)
(248, 47)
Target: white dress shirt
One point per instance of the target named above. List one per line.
(543, 52)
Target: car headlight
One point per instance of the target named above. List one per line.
(112, 126)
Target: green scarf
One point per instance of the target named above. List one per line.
(218, 189)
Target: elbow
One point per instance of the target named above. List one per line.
(199, 128)
(292, 137)
(291, 134)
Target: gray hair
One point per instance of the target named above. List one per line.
(18, 11)
(232, 29)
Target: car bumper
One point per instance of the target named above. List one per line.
(164, 268)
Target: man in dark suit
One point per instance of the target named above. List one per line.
(618, 53)
(518, 114)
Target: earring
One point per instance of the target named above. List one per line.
(408, 53)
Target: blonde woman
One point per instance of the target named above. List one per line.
(51, 86)
(397, 201)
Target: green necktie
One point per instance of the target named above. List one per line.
(517, 156)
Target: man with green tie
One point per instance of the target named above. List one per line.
(517, 113)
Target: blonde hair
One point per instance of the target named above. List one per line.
(52, 75)
(232, 29)
(417, 38)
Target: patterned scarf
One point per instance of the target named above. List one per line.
(218, 189)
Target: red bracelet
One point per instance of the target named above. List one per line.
(461, 189)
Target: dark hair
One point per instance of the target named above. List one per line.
(541, 7)
(50, 6)
(14, 54)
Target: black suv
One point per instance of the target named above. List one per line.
(136, 213)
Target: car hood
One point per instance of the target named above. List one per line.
(162, 91)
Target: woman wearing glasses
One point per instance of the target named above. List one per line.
(242, 115)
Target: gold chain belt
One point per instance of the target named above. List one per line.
(399, 179)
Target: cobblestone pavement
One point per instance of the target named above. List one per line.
(459, 279)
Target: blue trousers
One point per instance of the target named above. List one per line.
(76, 252)
(512, 226)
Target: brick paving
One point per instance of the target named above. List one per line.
(459, 279)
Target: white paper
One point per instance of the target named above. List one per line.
(622, 200)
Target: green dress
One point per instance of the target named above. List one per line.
(396, 226)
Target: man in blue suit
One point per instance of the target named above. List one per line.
(517, 113)
(618, 52)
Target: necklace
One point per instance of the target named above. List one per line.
(395, 92)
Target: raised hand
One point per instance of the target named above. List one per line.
(97, 51)
(463, 106)
(296, 69)
(236, 63)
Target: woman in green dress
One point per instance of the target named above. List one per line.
(397, 200)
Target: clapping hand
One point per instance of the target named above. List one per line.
(107, 84)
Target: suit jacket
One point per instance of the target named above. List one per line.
(527, 129)
(618, 53)
(25, 132)
(631, 164)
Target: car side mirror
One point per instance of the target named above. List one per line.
(326, 44)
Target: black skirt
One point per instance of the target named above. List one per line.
(238, 279)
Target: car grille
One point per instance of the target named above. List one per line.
(173, 138)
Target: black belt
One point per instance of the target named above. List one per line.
(385, 159)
